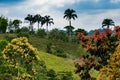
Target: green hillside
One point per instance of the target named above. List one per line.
(57, 63)
(71, 49)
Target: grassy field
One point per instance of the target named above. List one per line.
(58, 64)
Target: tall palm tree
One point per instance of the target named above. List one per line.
(70, 14)
(108, 23)
(16, 24)
(38, 19)
(31, 19)
(48, 21)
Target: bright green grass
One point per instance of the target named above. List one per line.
(58, 64)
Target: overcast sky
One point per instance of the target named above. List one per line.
(90, 12)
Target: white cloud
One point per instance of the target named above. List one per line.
(85, 20)
(114, 1)
(94, 21)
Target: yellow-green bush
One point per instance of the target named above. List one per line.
(20, 48)
(112, 70)
(21, 54)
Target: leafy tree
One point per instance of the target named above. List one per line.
(16, 24)
(54, 33)
(24, 29)
(69, 31)
(81, 30)
(41, 33)
(58, 35)
(31, 19)
(70, 14)
(48, 21)
(3, 24)
(10, 26)
(108, 23)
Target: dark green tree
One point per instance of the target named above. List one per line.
(38, 19)
(48, 21)
(57, 34)
(108, 23)
(24, 29)
(3, 24)
(41, 33)
(81, 30)
(10, 26)
(16, 24)
(31, 19)
(69, 30)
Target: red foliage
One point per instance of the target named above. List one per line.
(99, 45)
(117, 28)
(118, 34)
(108, 31)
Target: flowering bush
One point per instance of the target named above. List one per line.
(84, 65)
(112, 70)
(21, 55)
(100, 45)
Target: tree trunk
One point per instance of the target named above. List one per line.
(38, 25)
(107, 26)
(70, 35)
(47, 30)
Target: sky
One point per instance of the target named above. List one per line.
(90, 13)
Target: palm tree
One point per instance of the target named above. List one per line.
(31, 19)
(16, 24)
(38, 19)
(70, 14)
(48, 21)
(108, 23)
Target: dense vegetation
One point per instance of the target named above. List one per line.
(42, 54)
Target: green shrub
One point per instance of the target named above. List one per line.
(51, 74)
(60, 53)
(9, 37)
(65, 76)
(49, 48)
(41, 33)
(3, 44)
(6, 77)
(24, 29)
(23, 34)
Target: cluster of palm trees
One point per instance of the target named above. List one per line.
(69, 14)
(40, 21)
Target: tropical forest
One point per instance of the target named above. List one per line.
(38, 52)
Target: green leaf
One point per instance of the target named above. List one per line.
(93, 73)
